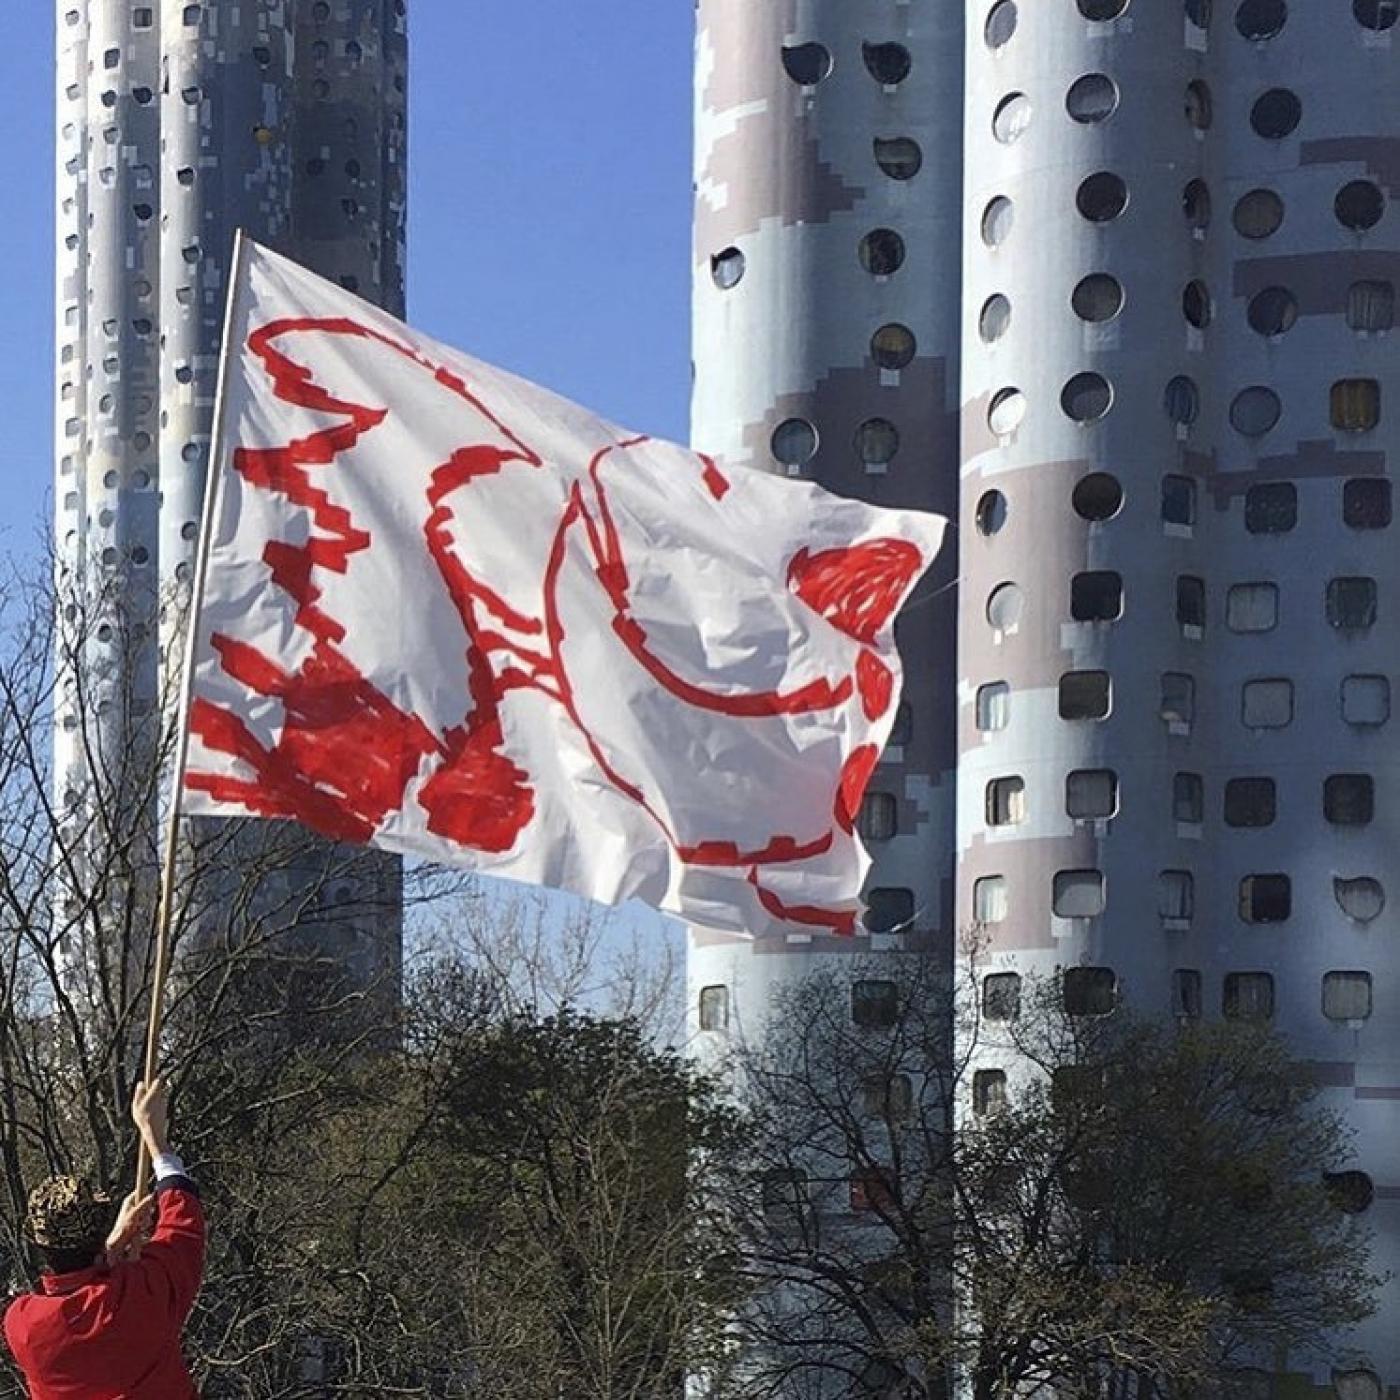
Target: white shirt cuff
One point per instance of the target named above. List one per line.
(168, 1164)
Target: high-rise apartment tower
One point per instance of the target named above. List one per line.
(179, 123)
(1176, 362)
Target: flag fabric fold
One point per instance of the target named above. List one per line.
(448, 613)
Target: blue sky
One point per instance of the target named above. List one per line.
(549, 215)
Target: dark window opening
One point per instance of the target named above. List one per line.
(1272, 311)
(1178, 500)
(882, 252)
(888, 64)
(1085, 695)
(1096, 596)
(1187, 1000)
(1366, 502)
(1191, 602)
(1090, 991)
(1248, 996)
(1261, 19)
(1001, 996)
(1102, 197)
(807, 64)
(1250, 802)
(893, 346)
(1349, 799)
(874, 1003)
(889, 909)
(1188, 798)
(1351, 603)
(1359, 205)
(1271, 508)
(1097, 496)
(1266, 899)
(1276, 114)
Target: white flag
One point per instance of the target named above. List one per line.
(453, 615)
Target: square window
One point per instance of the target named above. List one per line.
(1356, 405)
(989, 899)
(1178, 700)
(1178, 500)
(993, 706)
(1248, 996)
(874, 1003)
(1090, 991)
(714, 1008)
(111, 58)
(191, 14)
(1188, 798)
(1079, 894)
(878, 819)
(1187, 1001)
(887, 1096)
(1006, 801)
(1001, 996)
(1191, 604)
(988, 1090)
(1366, 700)
(1366, 503)
(1091, 794)
(1176, 897)
(1266, 899)
(889, 908)
(1252, 607)
(1349, 799)
(1096, 596)
(870, 1189)
(1351, 603)
(784, 1194)
(1267, 704)
(142, 17)
(1271, 508)
(1371, 306)
(1250, 802)
(1346, 996)
(1084, 695)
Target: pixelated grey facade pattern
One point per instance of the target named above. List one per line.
(1179, 572)
(826, 334)
(180, 123)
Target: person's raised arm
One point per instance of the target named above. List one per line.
(173, 1261)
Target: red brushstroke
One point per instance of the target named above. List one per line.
(346, 755)
(857, 588)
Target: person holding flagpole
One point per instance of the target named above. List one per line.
(106, 1319)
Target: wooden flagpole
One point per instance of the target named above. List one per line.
(164, 910)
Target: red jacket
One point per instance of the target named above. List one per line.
(114, 1334)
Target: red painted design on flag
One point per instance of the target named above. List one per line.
(346, 756)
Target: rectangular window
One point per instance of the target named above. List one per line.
(1346, 996)
(1267, 704)
(1349, 799)
(1371, 305)
(870, 1189)
(1356, 405)
(1248, 996)
(191, 14)
(889, 908)
(714, 1008)
(1188, 798)
(1001, 996)
(1366, 700)
(1366, 502)
(1079, 894)
(1178, 500)
(989, 900)
(887, 1096)
(1089, 991)
(1178, 701)
(1252, 607)
(878, 819)
(1176, 897)
(1096, 596)
(1191, 605)
(1084, 695)
(1351, 603)
(1250, 802)
(1006, 801)
(993, 707)
(142, 17)
(988, 1090)
(874, 1003)
(784, 1195)
(1091, 794)
(1265, 899)
(1271, 508)
(1187, 1001)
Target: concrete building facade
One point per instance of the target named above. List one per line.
(1149, 251)
(180, 123)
